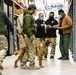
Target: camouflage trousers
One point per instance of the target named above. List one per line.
(39, 40)
(30, 52)
(53, 44)
(21, 40)
(3, 46)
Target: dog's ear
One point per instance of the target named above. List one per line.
(43, 43)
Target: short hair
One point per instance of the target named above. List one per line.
(61, 11)
(40, 14)
(31, 6)
(51, 13)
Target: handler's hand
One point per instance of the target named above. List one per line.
(55, 26)
(42, 25)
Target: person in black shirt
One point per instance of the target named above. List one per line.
(40, 23)
(51, 33)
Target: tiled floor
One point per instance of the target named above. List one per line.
(52, 66)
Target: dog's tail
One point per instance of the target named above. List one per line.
(16, 53)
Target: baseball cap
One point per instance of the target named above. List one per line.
(31, 6)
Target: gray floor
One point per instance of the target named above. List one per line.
(52, 66)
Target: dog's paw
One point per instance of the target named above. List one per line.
(16, 52)
(15, 66)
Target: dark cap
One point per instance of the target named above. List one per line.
(31, 6)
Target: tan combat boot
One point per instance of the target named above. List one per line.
(33, 67)
(23, 66)
(1, 67)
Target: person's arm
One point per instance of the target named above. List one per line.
(38, 24)
(8, 22)
(43, 24)
(19, 23)
(48, 24)
(56, 22)
(27, 25)
(68, 23)
(56, 26)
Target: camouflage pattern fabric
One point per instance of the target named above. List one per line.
(30, 53)
(3, 46)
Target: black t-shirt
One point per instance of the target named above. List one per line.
(40, 29)
(51, 32)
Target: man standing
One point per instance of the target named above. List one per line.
(51, 33)
(64, 26)
(40, 36)
(29, 30)
(4, 24)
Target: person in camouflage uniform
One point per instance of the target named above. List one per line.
(4, 25)
(29, 30)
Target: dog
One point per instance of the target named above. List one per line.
(40, 53)
(40, 50)
(20, 54)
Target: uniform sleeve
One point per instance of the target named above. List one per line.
(56, 22)
(46, 22)
(38, 24)
(27, 25)
(19, 24)
(68, 23)
(8, 22)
